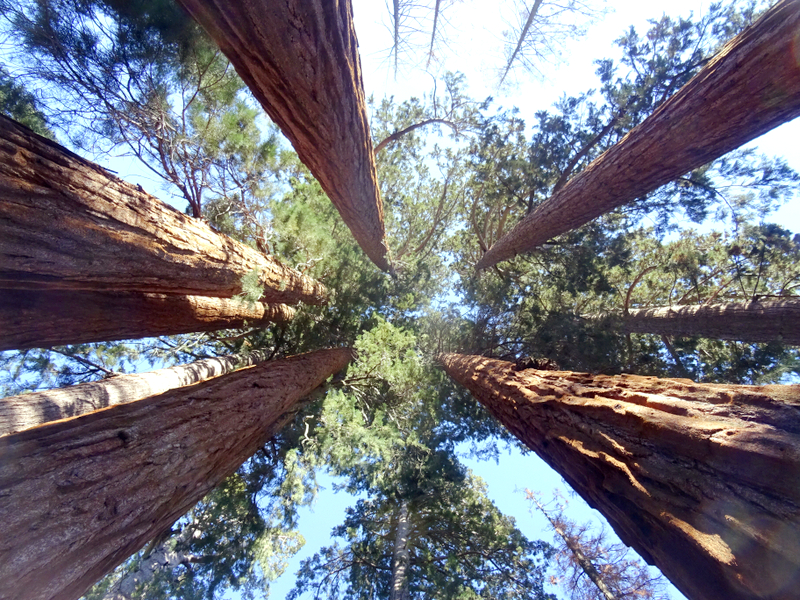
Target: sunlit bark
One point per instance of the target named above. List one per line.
(702, 480)
(750, 87)
(300, 60)
(80, 495)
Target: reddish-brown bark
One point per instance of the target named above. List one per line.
(763, 321)
(750, 87)
(66, 223)
(44, 318)
(300, 60)
(82, 494)
(702, 480)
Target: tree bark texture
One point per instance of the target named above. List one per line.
(401, 558)
(66, 223)
(33, 409)
(82, 494)
(44, 318)
(300, 60)
(750, 87)
(763, 321)
(702, 480)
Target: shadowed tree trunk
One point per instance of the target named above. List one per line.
(81, 495)
(764, 321)
(750, 87)
(33, 409)
(66, 223)
(702, 480)
(43, 318)
(300, 60)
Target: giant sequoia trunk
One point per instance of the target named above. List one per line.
(42, 318)
(66, 223)
(82, 494)
(751, 86)
(300, 60)
(764, 321)
(702, 480)
(33, 409)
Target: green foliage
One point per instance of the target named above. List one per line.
(391, 434)
(142, 78)
(455, 175)
(461, 547)
(252, 289)
(22, 106)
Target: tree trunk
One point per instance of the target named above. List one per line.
(583, 561)
(42, 318)
(764, 321)
(401, 558)
(750, 87)
(300, 60)
(82, 494)
(33, 409)
(66, 223)
(702, 480)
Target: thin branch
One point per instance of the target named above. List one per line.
(587, 148)
(85, 362)
(633, 285)
(525, 29)
(398, 134)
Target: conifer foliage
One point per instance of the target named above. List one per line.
(455, 175)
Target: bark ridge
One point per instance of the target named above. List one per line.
(750, 87)
(81, 495)
(300, 60)
(702, 480)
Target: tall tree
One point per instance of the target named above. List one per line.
(716, 112)
(31, 410)
(426, 528)
(768, 321)
(77, 316)
(19, 104)
(588, 566)
(538, 31)
(70, 224)
(684, 472)
(103, 484)
(324, 116)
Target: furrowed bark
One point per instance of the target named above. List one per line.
(81, 495)
(33, 409)
(300, 60)
(66, 223)
(43, 318)
(750, 87)
(763, 321)
(702, 480)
